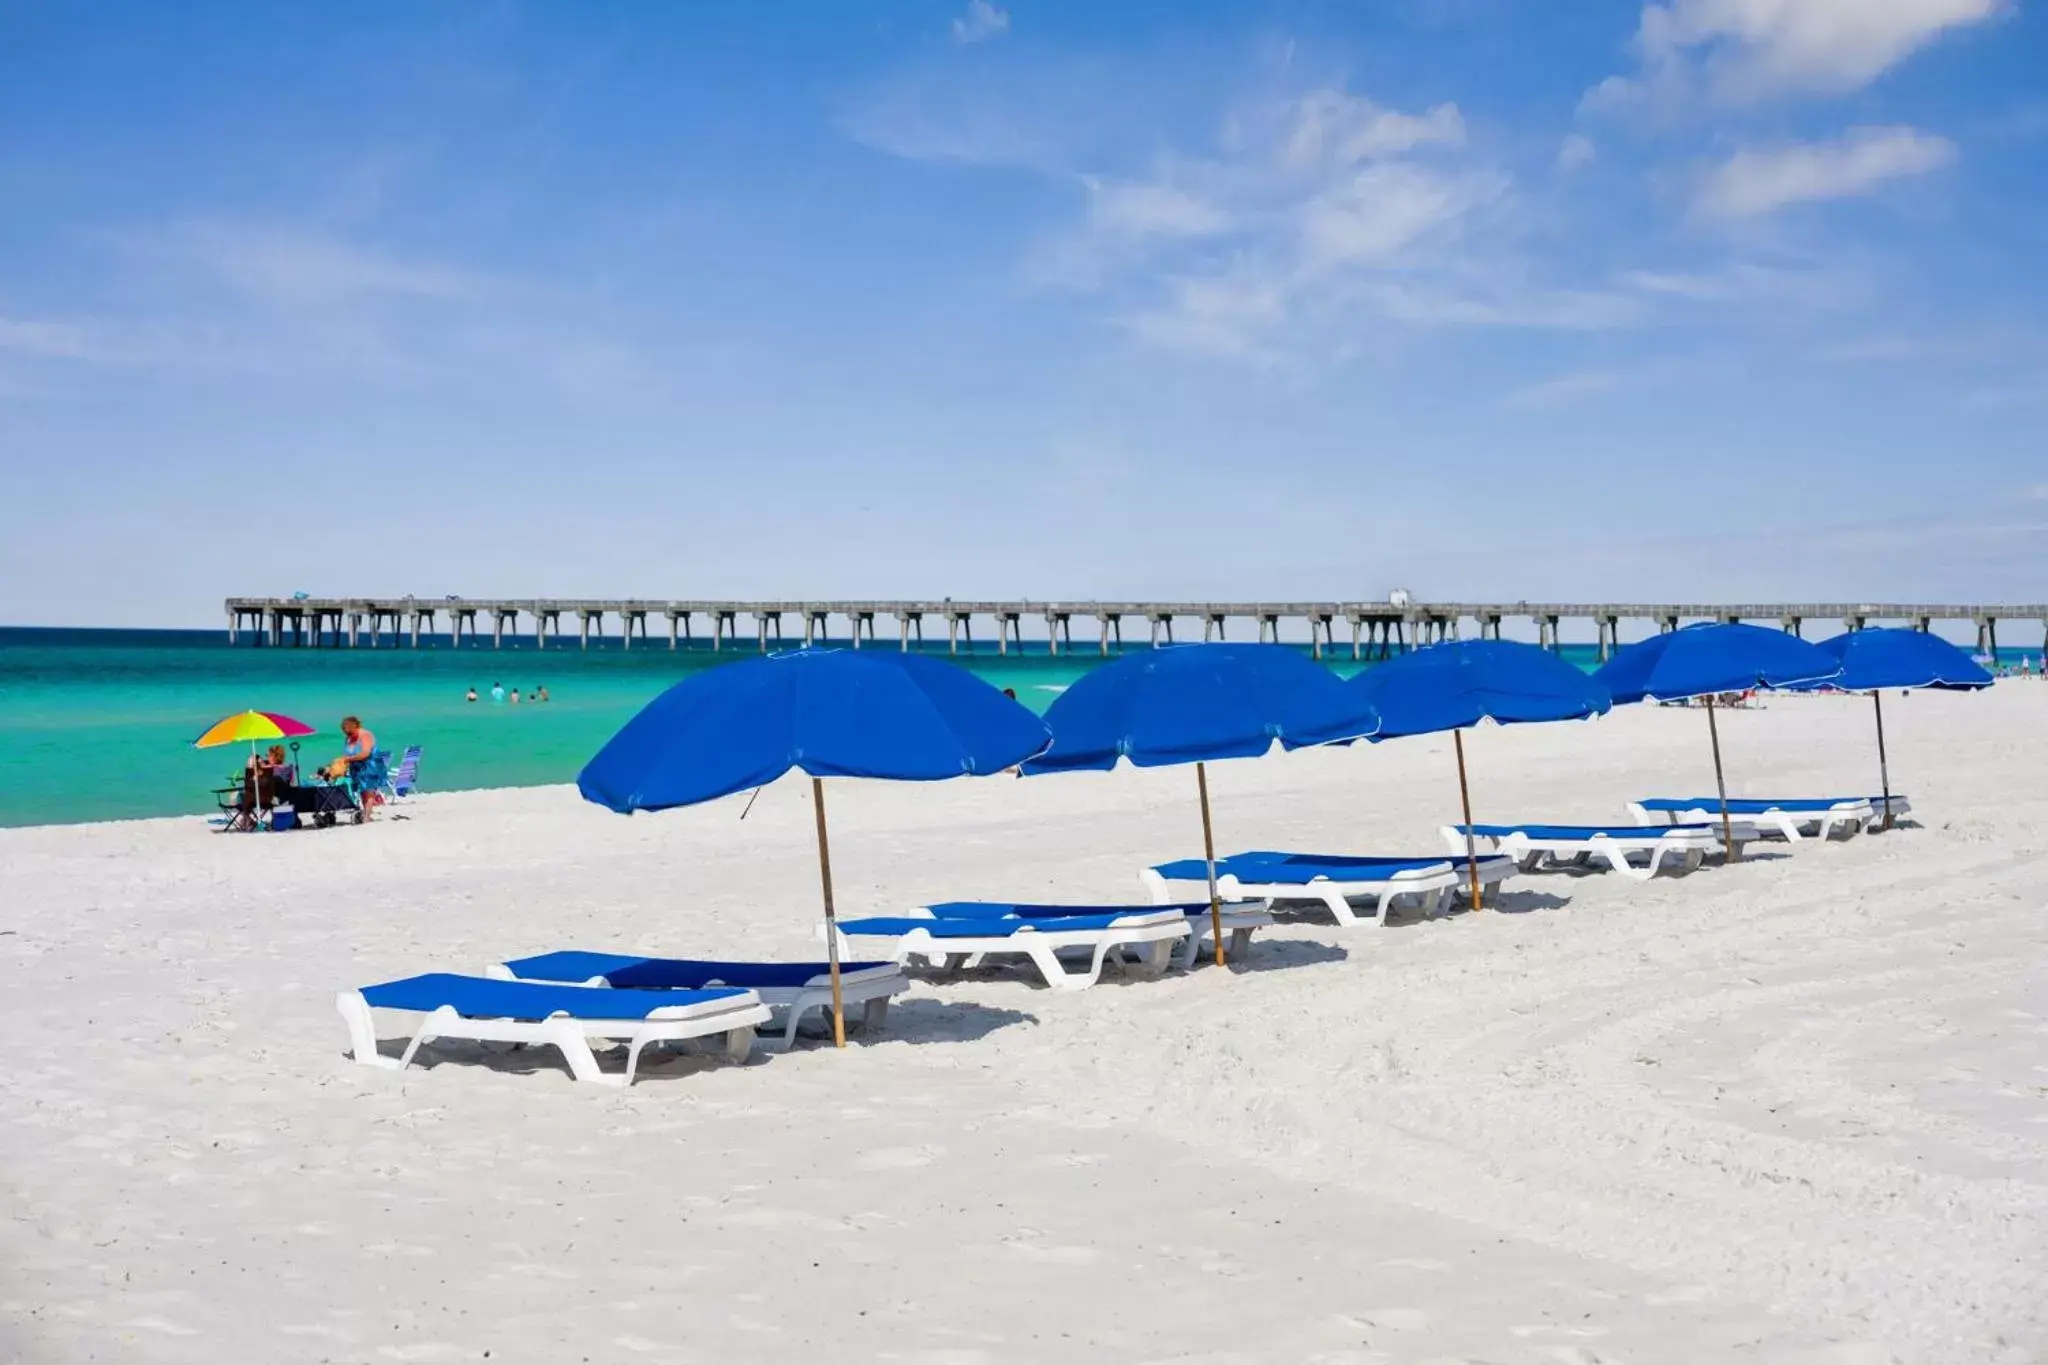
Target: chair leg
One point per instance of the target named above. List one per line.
(568, 1039)
(1341, 908)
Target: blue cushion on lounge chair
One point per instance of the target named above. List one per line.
(667, 973)
(1292, 869)
(995, 927)
(1567, 832)
(1744, 805)
(482, 998)
(1007, 910)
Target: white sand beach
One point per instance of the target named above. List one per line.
(1793, 1110)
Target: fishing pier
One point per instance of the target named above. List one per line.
(1370, 630)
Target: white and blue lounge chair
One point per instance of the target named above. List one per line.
(1534, 846)
(1335, 880)
(565, 1017)
(1795, 818)
(1240, 918)
(945, 944)
(790, 989)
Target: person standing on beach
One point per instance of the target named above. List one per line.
(358, 756)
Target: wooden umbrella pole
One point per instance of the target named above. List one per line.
(1721, 785)
(831, 920)
(1209, 859)
(1884, 775)
(1465, 796)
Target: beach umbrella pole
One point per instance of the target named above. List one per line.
(1209, 858)
(1465, 796)
(831, 920)
(1721, 784)
(1884, 776)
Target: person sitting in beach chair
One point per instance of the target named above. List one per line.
(266, 780)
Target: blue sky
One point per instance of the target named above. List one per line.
(1483, 298)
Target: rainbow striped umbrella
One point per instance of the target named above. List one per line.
(252, 726)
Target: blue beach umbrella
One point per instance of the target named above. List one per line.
(1873, 660)
(1194, 703)
(1460, 683)
(1708, 660)
(824, 712)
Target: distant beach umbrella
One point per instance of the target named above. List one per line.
(823, 712)
(1708, 660)
(1460, 683)
(253, 726)
(1873, 660)
(1195, 703)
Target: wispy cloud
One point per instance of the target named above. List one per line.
(296, 266)
(48, 340)
(1575, 151)
(982, 22)
(1763, 180)
(1742, 51)
(1565, 388)
(1306, 217)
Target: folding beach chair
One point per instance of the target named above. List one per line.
(403, 780)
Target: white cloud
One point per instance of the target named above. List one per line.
(1151, 209)
(1227, 316)
(982, 22)
(1759, 181)
(1575, 151)
(1313, 217)
(1740, 51)
(1379, 212)
(1331, 128)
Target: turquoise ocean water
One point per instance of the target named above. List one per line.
(97, 725)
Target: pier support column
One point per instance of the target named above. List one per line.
(1791, 625)
(903, 634)
(355, 624)
(583, 628)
